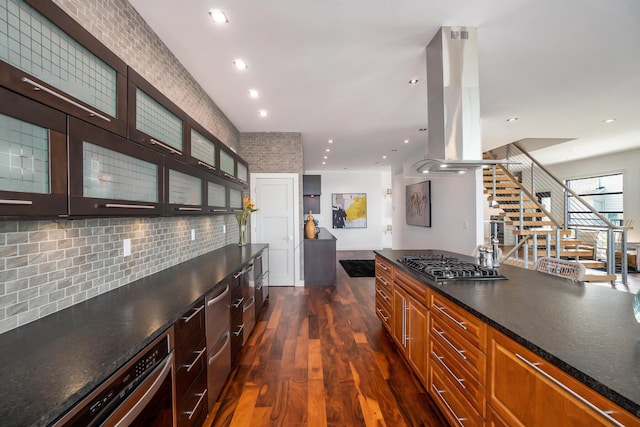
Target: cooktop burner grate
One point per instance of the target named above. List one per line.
(441, 268)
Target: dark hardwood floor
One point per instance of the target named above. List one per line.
(319, 356)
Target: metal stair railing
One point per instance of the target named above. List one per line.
(541, 185)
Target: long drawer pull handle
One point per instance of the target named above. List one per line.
(386, 319)
(441, 360)
(220, 210)
(441, 334)
(228, 176)
(200, 353)
(252, 300)
(382, 294)
(183, 208)
(15, 202)
(570, 391)
(457, 322)
(237, 303)
(382, 266)
(239, 331)
(188, 319)
(202, 395)
(123, 206)
(219, 297)
(165, 146)
(227, 339)
(384, 282)
(38, 86)
(206, 165)
(440, 392)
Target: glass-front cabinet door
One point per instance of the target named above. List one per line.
(217, 201)
(227, 164)
(235, 200)
(33, 158)
(110, 176)
(184, 187)
(49, 57)
(203, 150)
(154, 121)
(243, 172)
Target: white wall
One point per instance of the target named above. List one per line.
(374, 183)
(456, 213)
(626, 163)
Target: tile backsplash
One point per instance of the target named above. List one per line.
(46, 266)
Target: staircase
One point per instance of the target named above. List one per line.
(537, 232)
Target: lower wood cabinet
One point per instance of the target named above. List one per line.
(526, 390)
(191, 367)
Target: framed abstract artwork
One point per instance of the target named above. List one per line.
(349, 210)
(419, 204)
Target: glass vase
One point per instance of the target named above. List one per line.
(242, 234)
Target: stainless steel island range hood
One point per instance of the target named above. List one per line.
(454, 142)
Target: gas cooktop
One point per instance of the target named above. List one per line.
(441, 268)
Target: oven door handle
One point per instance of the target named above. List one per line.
(138, 403)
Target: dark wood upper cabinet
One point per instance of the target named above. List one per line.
(233, 167)
(311, 185)
(184, 189)
(155, 121)
(202, 148)
(52, 59)
(111, 176)
(33, 158)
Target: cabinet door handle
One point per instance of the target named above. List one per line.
(237, 303)
(193, 411)
(219, 297)
(252, 301)
(386, 319)
(604, 414)
(384, 282)
(441, 334)
(440, 392)
(239, 331)
(200, 353)
(220, 210)
(228, 176)
(184, 208)
(188, 319)
(240, 273)
(15, 202)
(457, 322)
(384, 297)
(165, 146)
(382, 266)
(444, 365)
(123, 206)
(206, 165)
(38, 86)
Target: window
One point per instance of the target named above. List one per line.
(603, 193)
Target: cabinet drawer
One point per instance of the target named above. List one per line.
(383, 311)
(383, 281)
(192, 407)
(189, 331)
(456, 409)
(384, 292)
(467, 384)
(467, 355)
(471, 328)
(188, 369)
(384, 269)
(418, 290)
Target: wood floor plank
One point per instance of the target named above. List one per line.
(318, 357)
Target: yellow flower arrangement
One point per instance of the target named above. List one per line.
(247, 208)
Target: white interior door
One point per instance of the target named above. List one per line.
(276, 223)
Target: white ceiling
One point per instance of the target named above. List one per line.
(339, 69)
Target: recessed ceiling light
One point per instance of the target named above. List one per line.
(331, 141)
(263, 113)
(413, 81)
(384, 157)
(609, 120)
(324, 163)
(512, 119)
(422, 129)
(326, 157)
(218, 16)
(254, 93)
(327, 150)
(240, 64)
(406, 141)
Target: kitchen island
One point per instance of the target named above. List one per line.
(586, 331)
(49, 365)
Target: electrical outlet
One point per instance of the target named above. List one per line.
(126, 247)
(224, 229)
(193, 234)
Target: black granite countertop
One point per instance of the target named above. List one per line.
(587, 330)
(49, 365)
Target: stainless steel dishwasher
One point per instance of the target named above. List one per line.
(218, 303)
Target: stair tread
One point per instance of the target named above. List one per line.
(530, 223)
(530, 232)
(599, 277)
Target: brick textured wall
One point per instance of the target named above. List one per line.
(46, 266)
(272, 152)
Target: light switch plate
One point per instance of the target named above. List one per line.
(126, 247)
(193, 234)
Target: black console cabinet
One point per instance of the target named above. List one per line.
(320, 259)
